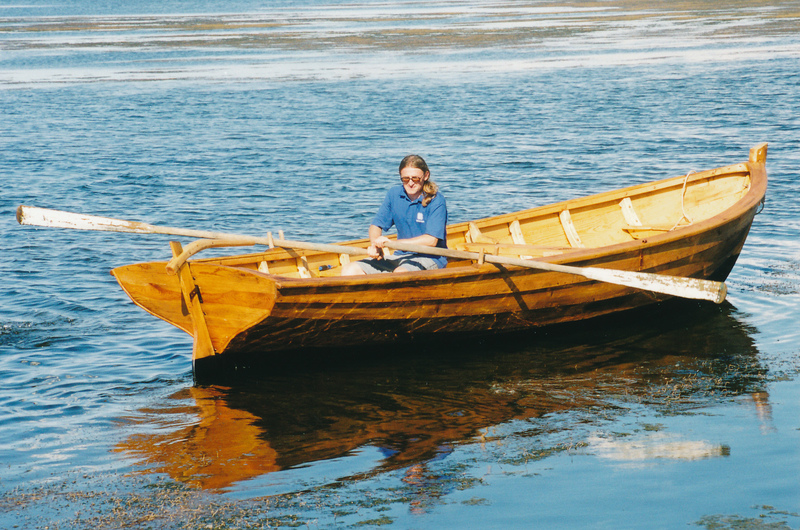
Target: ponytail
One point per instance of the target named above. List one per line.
(430, 189)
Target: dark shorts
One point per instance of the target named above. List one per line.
(410, 261)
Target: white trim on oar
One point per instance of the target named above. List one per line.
(31, 215)
(672, 285)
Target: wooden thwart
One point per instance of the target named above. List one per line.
(634, 225)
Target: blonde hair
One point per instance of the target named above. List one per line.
(430, 188)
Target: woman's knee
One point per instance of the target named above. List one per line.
(352, 269)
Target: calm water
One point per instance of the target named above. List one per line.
(244, 117)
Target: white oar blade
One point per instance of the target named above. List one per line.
(30, 215)
(673, 285)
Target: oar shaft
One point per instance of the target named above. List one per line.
(465, 254)
(31, 215)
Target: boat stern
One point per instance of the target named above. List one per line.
(212, 303)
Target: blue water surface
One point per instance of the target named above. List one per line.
(249, 117)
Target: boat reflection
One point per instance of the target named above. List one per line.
(415, 407)
(202, 441)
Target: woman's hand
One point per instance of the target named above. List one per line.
(381, 241)
(375, 250)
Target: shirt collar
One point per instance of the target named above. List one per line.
(404, 195)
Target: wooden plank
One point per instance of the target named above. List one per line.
(152, 289)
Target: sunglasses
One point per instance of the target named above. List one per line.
(415, 180)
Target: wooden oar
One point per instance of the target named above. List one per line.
(31, 215)
(659, 283)
(671, 285)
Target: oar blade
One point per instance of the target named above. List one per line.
(680, 286)
(31, 215)
(34, 216)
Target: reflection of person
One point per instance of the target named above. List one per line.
(418, 211)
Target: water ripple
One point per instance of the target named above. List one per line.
(251, 119)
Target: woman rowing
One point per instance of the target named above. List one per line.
(418, 211)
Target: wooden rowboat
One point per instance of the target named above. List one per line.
(292, 298)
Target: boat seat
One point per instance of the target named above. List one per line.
(476, 241)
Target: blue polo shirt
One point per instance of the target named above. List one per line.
(412, 219)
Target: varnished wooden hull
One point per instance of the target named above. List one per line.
(232, 308)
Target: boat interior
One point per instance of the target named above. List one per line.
(610, 218)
